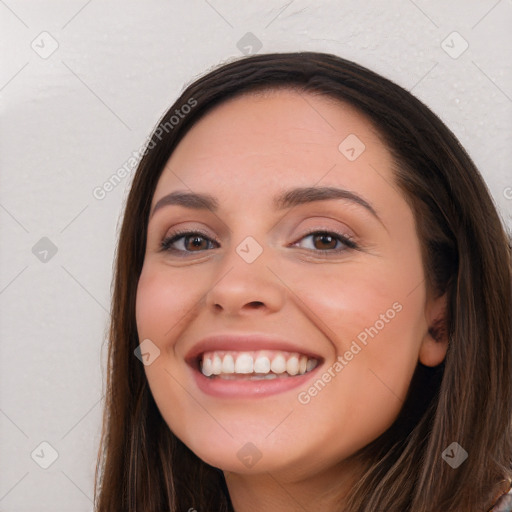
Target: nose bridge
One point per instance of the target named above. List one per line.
(244, 280)
(248, 244)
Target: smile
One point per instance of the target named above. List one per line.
(242, 366)
(255, 365)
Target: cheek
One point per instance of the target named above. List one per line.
(375, 325)
(163, 300)
(364, 386)
(164, 303)
(362, 303)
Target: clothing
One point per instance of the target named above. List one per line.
(504, 503)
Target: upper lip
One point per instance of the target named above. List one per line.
(246, 343)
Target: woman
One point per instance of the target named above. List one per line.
(311, 305)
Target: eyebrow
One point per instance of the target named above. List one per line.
(284, 200)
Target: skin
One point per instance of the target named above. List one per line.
(244, 152)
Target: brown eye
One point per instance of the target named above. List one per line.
(326, 242)
(186, 242)
(194, 242)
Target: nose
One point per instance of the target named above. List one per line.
(241, 286)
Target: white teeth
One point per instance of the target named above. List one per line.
(278, 365)
(292, 365)
(310, 365)
(228, 364)
(207, 367)
(303, 364)
(244, 364)
(262, 364)
(255, 365)
(216, 365)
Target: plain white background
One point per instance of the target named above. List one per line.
(82, 85)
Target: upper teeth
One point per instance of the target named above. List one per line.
(260, 362)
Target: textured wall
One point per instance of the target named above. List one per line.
(82, 84)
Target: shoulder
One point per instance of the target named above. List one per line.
(504, 503)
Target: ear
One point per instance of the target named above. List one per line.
(435, 340)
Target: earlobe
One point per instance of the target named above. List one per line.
(435, 341)
(432, 351)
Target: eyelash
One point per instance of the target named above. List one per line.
(345, 240)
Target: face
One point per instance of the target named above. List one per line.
(283, 335)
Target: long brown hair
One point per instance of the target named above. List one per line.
(143, 467)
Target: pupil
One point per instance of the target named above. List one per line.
(326, 238)
(196, 241)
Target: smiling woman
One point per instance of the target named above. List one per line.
(311, 308)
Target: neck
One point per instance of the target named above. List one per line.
(285, 492)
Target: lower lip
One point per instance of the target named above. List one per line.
(250, 388)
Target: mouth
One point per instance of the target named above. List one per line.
(254, 365)
(250, 365)
(252, 374)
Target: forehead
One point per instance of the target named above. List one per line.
(277, 138)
